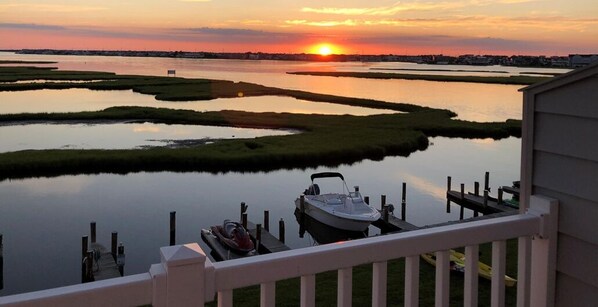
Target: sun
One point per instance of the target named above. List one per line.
(324, 49)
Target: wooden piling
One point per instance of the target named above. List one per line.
(89, 266)
(476, 190)
(487, 181)
(281, 230)
(92, 227)
(500, 191)
(448, 183)
(1, 263)
(366, 199)
(172, 228)
(463, 191)
(385, 214)
(114, 244)
(356, 188)
(461, 212)
(243, 210)
(244, 220)
(84, 246)
(120, 259)
(485, 198)
(258, 236)
(382, 202)
(404, 202)
(267, 220)
(448, 189)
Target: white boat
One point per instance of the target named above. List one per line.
(345, 211)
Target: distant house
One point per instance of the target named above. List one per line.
(581, 60)
(560, 160)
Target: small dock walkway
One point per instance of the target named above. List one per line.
(393, 224)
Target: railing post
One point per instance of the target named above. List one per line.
(379, 284)
(344, 297)
(499, 260)
(308, 291)
(470, 289)
(412, 281)
(188, 278)
(442, 278)
(543, 268)
(268, 294)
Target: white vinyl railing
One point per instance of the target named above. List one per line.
(185, 277)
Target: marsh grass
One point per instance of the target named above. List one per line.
(325, 139)
(516, 80)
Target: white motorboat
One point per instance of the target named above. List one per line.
(345, 211)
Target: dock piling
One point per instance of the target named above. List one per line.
(120, 259)
(243, 210)
(476, 190)
(281, 230)
(461, 212)
(404, 202)
(89, 266)
(84, 246)
(113, 245)
(1, 264)
(385, 214)
(366, 199)
(267, 220)
(244, 220)
(485, 198)
(500, 191)
(382, 202)
(172, 228)
(92, 227)
(487, 181)
(258, 236)
(462, 191)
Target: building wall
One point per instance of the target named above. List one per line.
(563, 164)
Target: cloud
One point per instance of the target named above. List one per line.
(30, 26)
(50, 8)
(347, 22)
(195, 0)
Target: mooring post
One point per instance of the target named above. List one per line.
(89, 266)
(485, 198)
(244, 220)
(366, 199)
(113, 244)
(120, 259)
(461, 212)
(84, 246)
(92, 227)
(500, 195)
(404, 202)
(382, 201)
(487, 181)
(385, 214)
(476, 188)
(243, 210)
(281, 230)
(172, 228)
(1, 264)
(266, 220)
(356, 188)
(462, 191)
(448, 189)
(258, 236)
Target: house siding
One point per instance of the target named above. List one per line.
(560, 160)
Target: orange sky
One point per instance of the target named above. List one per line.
(407, 27)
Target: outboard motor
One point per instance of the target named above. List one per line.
(313, 189)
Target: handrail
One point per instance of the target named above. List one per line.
(240, 273)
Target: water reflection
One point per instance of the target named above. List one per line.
(77, 100)
(119, 135)
(322, 233)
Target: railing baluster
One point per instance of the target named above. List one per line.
(225, 298)
(523, 271)
(379, 284)
(344, 296)
(499, 258)
(268, 294)
(442, 278)
(412, 281)
(308, 291)
(470, 294)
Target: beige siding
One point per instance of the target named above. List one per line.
(566, 175)
(578, 99)
(578, 259)
(567, 135)
(571, 292)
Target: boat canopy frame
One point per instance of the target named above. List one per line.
(327, 175)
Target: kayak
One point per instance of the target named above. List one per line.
(457, 264)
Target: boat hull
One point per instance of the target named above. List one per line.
(325, 217)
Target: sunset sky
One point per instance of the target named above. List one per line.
(549, 27)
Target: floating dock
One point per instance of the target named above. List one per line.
(105, 266)
(97, 262)
(392, 223)
(219, 252)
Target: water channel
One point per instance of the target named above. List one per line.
(42, 219)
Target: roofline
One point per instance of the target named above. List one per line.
(574, 75)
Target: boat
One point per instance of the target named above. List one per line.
(345, 210)
(457, 264)
(322, 233)
(233, 236)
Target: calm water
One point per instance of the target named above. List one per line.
(116, 135)
(43, 219)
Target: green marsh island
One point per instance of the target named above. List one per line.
(323, 139)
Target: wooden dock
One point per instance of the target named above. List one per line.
(219, 252)
(105, 266)
(478, 203)
(393, 224)
(97, 262)
(268, 243)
